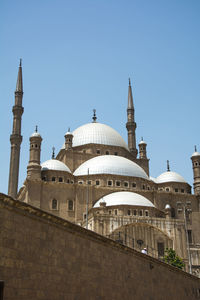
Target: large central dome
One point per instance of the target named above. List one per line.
(97, 133)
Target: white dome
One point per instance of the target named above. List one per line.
(111, 164)
(142, 143)
(97, 133)
(124, 198)
(195, 154)
(35, 134)
(55, 165)
(170, 177)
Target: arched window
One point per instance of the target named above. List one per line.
(70, 205)
(54, 204)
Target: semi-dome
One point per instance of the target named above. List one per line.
(97, 133)
(170, 176)
(111, 164)
(55, 165)
(124, 198)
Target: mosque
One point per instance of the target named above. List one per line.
(100, 182)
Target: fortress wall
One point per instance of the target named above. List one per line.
(45, 257)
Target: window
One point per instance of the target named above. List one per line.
(141, 213)
(182, 190)
(115, 153)
(54, 204)
(128, 212)
(176, 190)
(146, 213)
(97, 182)
(107, 152)
(80, 182)
(167, 189)
(70, 205)
(134, 185)
(148, 188)
(110, 212)
(135, 212)
(84, 216)
(125, 183)
(143, 187)
(60, 179)
(118, 183)
(44, 178)
(53, 178)
(189, 232)
(115, 211)
(98, 151)
(109, 183)
(68, 181)
(161, 249)
(89, 182)
(72, 181)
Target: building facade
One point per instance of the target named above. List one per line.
(100, 182)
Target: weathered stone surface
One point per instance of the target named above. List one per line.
(48, 258)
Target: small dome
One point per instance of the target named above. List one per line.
(55, 165)
(35, 134)
(97, 133)
(167, 206)
(111, 164)
(124, 198)
(142, 143)
(195, 154)
(170, 177)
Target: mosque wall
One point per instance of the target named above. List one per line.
(45, 257)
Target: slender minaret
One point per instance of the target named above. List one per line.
(15, 137)
(131, 125)
(196, 170)
(68, 140)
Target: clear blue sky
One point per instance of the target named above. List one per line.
(78, 55)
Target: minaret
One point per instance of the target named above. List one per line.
(34, 167)
(15, 137)
(196, 170)
(131, 125)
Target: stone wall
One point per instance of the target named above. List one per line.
(45, 257)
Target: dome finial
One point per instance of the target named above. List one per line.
(195, 148)
(142, 138)
(36, 128)
(129, 81)
(94, 116)
(168, 168)
(20, 62)
(53, 153)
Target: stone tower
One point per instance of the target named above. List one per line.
(34, 167)
(68, 140)
(131, 125)
(196, 171)
(143, 149)
(15, 137)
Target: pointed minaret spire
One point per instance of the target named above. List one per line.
(195, 148)
(15, 137)
(130, 96)
(94, 116)
(36, 128)
(53, 153)
(19, 85)
(131, 125)
(168, 167)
